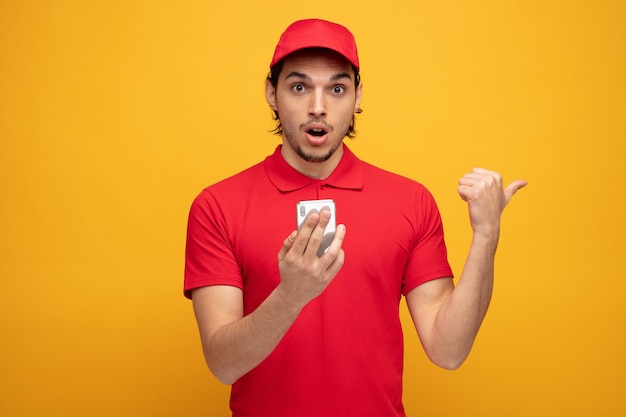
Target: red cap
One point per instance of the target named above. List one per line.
(316, 33)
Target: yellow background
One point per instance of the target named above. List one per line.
(114, 115)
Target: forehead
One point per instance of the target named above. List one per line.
(316, 61)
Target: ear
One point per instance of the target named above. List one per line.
(357, 101)
(270, 95)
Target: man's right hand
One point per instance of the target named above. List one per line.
(234, 344)
(303, 275)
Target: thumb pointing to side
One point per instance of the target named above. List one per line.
(512, 188)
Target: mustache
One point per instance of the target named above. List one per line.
(316, 122)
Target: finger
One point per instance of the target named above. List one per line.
(317, 235)
(335, 255)
(471, 183)
(469, 180)
(483, 171)
(485, 175)
(335, 245)
(338, 262)
(512, 188)
(464, 192)
(304, 234)
(287, 245)
(474, 179)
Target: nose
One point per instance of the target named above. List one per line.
(317, 105)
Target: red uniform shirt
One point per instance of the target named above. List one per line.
(344, 354)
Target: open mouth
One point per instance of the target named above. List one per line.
(316, 132)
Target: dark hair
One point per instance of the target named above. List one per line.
(272, 77)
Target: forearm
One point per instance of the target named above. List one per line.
(234, 349)
(458, 320)
(234, 344)
(448, 317)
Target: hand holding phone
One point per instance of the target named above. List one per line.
(303, 208)
(306, 269)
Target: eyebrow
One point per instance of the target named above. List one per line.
(303, 76)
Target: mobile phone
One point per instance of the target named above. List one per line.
(303, 208)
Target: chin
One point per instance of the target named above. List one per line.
(317, 155)
(314, 157)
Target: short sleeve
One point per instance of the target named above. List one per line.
(428, 259)
(209, 254)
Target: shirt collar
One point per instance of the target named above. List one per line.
(347, 175)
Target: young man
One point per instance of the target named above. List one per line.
(302, 335)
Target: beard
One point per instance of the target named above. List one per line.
(311, 157)
(290, 135)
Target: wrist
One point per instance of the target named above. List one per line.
(285, 301)
(486, 237)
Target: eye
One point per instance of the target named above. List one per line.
(298, 88)
(339, 89)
